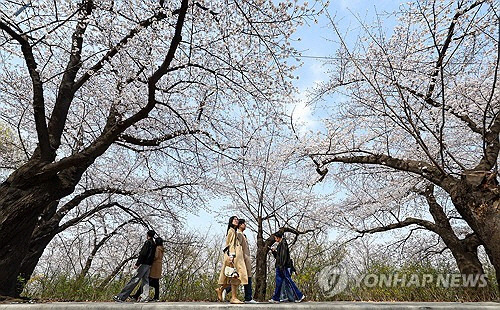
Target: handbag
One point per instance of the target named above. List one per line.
(231, 272)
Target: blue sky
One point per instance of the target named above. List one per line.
(318, 40)
(315, 41)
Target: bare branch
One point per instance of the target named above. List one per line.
(463, 117)
(407, 222)
(100, 244)
(65, 93)
(38, 98)
(421, 168)
(114, 50)
(114, 127)
(158, 141)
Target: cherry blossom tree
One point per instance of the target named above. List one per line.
(423, 101)
(381, 201)
(80, 80)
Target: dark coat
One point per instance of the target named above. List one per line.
(147, 254)
(282, 255)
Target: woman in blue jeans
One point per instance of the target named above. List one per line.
(283, 266)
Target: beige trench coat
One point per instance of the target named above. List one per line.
(155, 271)
(239, 261)
(246, 251)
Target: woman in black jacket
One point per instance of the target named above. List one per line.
(283, 267)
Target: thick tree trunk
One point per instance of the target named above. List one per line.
(29, 263)
(490, 236)
(19, 211)
(261, 261)
(480, 207)
(467, 260)
(23, 198)
(491, 239)
(260, 264)
(48, 227)
(495, 261)
(468, 263)
(464, 250)
(37, 245)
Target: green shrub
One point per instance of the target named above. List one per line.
(188, 285)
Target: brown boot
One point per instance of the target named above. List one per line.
(219, 292)
(234, 296)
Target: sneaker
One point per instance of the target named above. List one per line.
(302, 299)
(274, 301)
(250, 301)
(117, 299)
(141, 299)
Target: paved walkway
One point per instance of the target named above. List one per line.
(341, 305)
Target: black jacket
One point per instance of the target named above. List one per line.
(282, 255)
(147, 254)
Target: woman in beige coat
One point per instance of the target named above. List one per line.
(233, 256)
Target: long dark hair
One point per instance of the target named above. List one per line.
(230, 224)
(159, 241)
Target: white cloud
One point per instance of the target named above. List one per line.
(302, 114)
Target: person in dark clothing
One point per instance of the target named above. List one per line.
(283, 269)
(287, 293)
(155, 272)
(143, 265)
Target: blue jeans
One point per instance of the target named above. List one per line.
(248, 289)
(283, 274)
(142, 274)
(287, 294)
